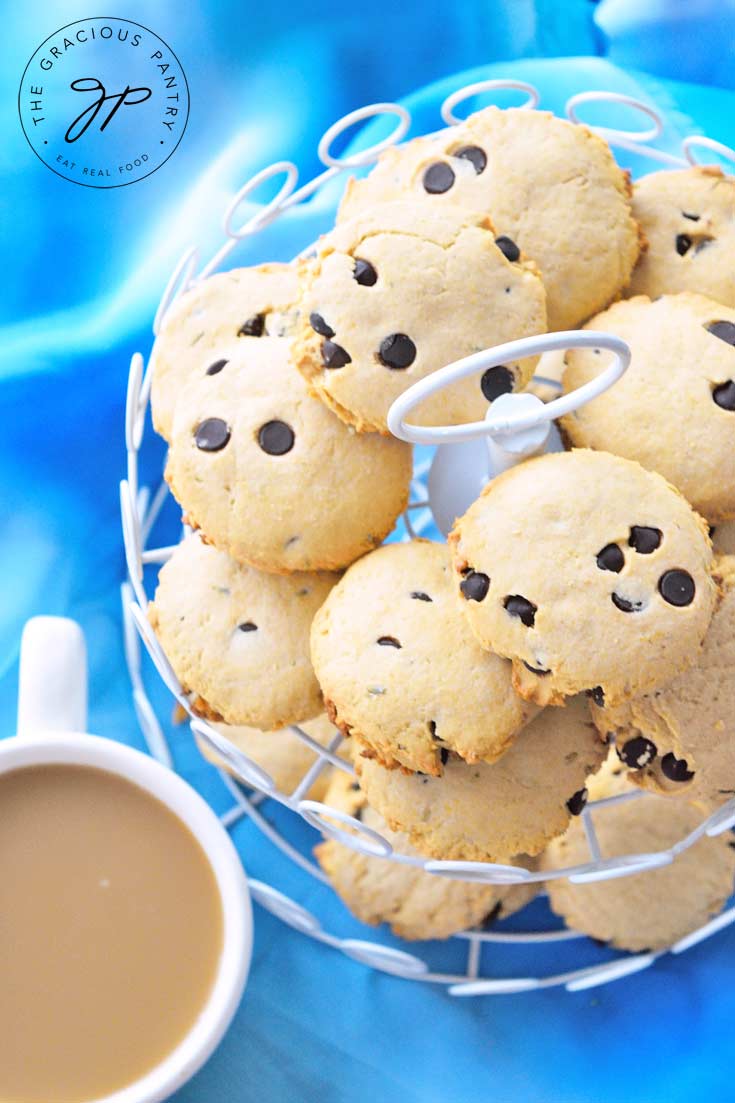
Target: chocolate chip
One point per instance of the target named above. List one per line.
(645, 540)
(724, 395)
(624, 605)
(319, 326)
(355, 786)
(508, 248)
(276, 438)
(397, 351)
(216, 367)
(364, 274)
(676, 769)
(253, 327)
(444, 755)
(438, 178)
(611, 558)
(475, 585)
(637, 752)
(248, 626)
(577, 801)
(497, 381)
(432, 729)
(212, 434)
(522, 608)
(724, 330)
(388, 641)
(677, 587)
(419, 595)
(535, 669)
(683, 244)
(691, 217)
(334, 356)
(598, 696)
(476, 156)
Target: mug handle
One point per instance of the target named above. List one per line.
(52, 684)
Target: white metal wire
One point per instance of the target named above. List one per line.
(649, 135)
(481, 86)
(179, 280)
(517, 418)
(140, 509)
(366, 156)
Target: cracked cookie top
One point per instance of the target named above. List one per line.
(550, 186)
(402, 290)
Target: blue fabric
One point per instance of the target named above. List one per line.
(83, 270)
(687, 41)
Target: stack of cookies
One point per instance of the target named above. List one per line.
(576, 635)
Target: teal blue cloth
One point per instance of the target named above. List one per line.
(86, 271)
(685, 39)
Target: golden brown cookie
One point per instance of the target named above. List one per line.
(490, 812)
(271, 476)
(589, 572)
(688, 218)
(402, 290)
(681, 739)
(237, 638)
(674, 409)
(241, 305)
(649, 910)
(281, 753)
(550, 188)
(417, 905)
(400, 668)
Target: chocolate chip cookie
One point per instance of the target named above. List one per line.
(402, 290)
(239, 305)
(674, 409)
(688, 218)
(281, 753)
(417, 905)
(490, 812)
(400, 669)
(649, 910)
(551, 188)
(590, 572)
(237, 638)
(681, 739)
(271, 476)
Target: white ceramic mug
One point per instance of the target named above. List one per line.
(52, 718)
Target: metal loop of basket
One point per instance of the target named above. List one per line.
(140, 510)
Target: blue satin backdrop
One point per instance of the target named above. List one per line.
(83, 270)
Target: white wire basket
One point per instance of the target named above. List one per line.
(510, 432)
